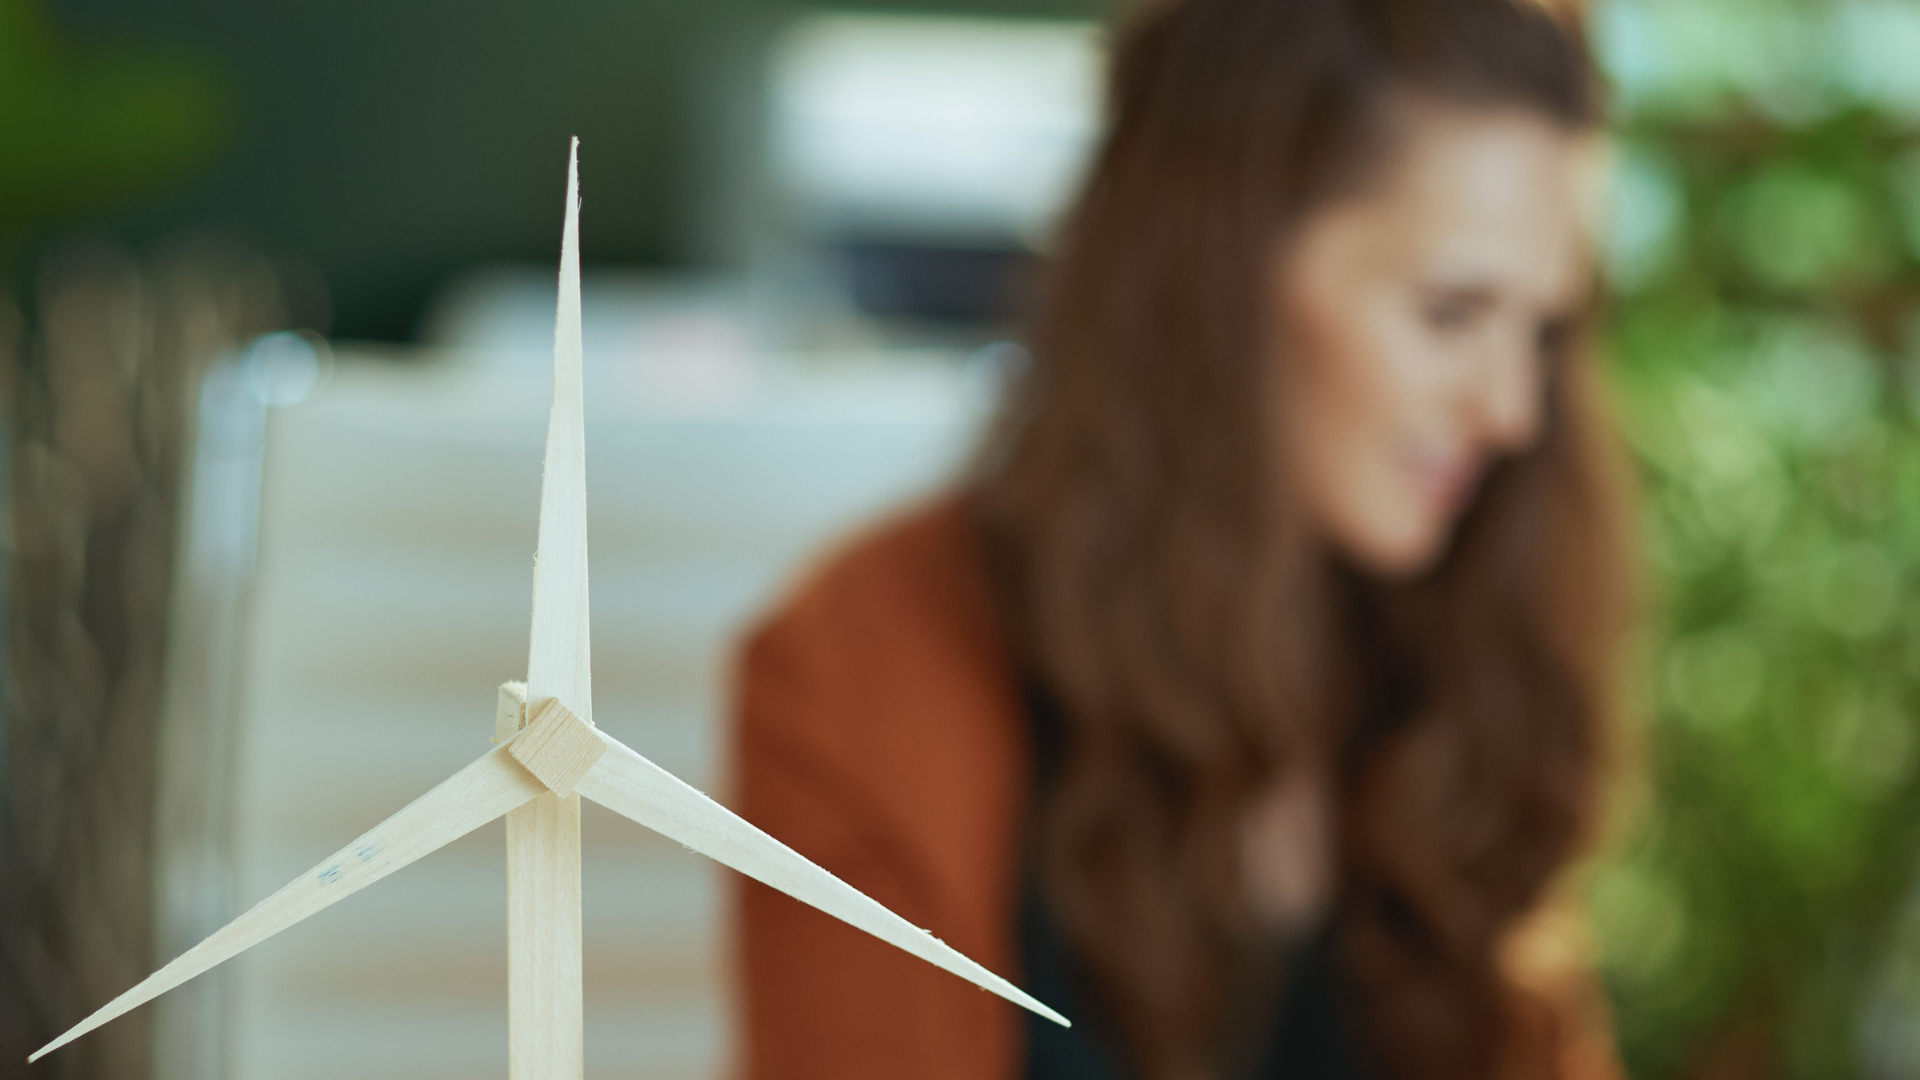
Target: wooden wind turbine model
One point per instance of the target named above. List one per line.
(549, 755)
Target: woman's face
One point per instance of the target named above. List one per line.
(1412, 317)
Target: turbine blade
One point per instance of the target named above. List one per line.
(468, 799)
(560, 656)
(633, 787)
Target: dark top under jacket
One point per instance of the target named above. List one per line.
(1311, 1037)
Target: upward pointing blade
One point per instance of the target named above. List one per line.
(560, 655)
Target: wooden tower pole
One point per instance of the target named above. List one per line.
(544, 1011)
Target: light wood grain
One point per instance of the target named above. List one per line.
(545, 1019)
(544, 1015)
(509, 711)
(545, 997)
(557, 747)
(484, 790)
(635, 788)
(559, 656)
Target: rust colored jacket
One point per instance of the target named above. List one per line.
(880, 733)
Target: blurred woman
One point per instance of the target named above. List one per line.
(1248, 696)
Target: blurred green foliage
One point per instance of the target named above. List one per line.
(83, 128)
(1759, 918)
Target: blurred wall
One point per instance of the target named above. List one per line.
(389, 145)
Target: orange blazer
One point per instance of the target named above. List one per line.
(880, 733)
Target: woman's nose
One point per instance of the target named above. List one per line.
(1506, 400)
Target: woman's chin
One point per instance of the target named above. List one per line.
(1398, 551)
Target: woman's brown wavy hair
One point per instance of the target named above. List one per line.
(1162, 589)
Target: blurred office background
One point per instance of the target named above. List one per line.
(276, 308)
